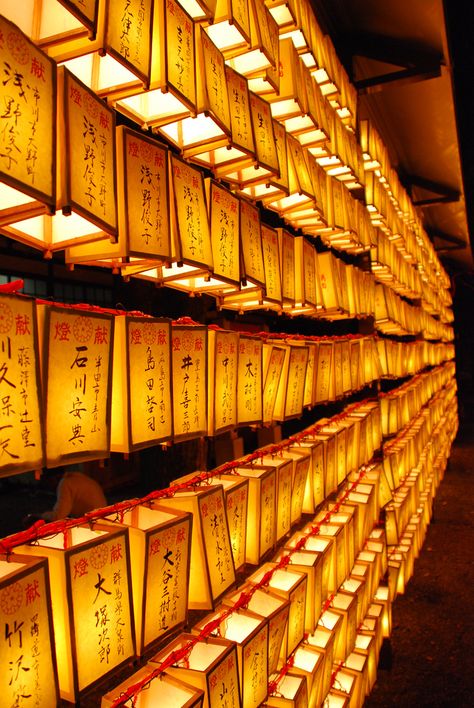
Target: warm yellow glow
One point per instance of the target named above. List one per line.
(165, 690)
(189, 365)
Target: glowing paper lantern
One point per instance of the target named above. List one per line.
(223, 351)
(273, 361)
(141, 386)
(284, 470)
(290, 585)
(261, 533)
(212, 566)
(165, 690)
(236, 492)
(261, 55)
(250, 381)
(275, 609)
(309, 563)
(224, 217)
(143, 202)
(309, 662)
(277, 186)
(160, 543)
(27, 652)
(210, 128)
(172, 90)
(291, 691)
(92, 605)
(28, 165)
(314, 488)
(210, 666)
(21, 437)
(290, 394)
(77, 376)
(250, 632)
(46, 22)
(323, 639)
(327, 548)
(189, 365)
(230, 29)
(324, 372)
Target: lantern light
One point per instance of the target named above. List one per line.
(323, 639)
(160, 544)
(309, 563)
(212, 570)
(250, 633)
(309, 662)
(210, 666)
(291, 691)
(189, 366)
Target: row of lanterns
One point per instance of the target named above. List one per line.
(133, 169)
(87, 381)
(400, 359)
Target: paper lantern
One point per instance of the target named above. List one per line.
(230, 29)
(289, 101)
(212, 566)
(314, 488)
(277, 186)
(141, 386)
(324, 372)
(143, 203)
(275, 609)
(261, 532)
(250, 381)
(27, 653)
(189, 366)
(291, 691)
(290, 394)
(28, 164)
(308, 297)
(284, 472)
(172, 89)
(261, 54)
(160, 543)
(309, 563)
(53, 20)
(210, 127)
(333, 621)
(271, 259)
(223, 351)
(309, 662)
(327, 547)
(77, 371)
(21, 432)
(346, 685)
(336, 532)
(210, 666)
(250, 632)
(273, 361)
(290, 585)
(299, 472)
(169, 692)
(323, 640)
(92, 604)
(366, 645)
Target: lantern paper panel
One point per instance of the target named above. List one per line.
(250, 632)
(143, 203)
(77, 373)
(273, 362)
(172, 93)
(51, 20)
(271, 259)
(236, 494)
(192, 223)
(291, 692)
(223, 352)
(212, 565)
(261, 533)
(141, 386)
(27, 652)
(189, 366)
(164, 690)
(289, 400)
(92, 604)
(21, 422)
(28, 157)
(230, 30)
(89, 152)
(251, 244)
(250, 381)
(211, 666)
(225, 233)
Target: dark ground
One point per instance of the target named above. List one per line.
(431, 650)
(432, 642)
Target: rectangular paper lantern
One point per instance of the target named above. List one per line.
(143, 208)
(250, 632)
(141, 384)
(275, 609)
(21, 428)
(273, 362)
(212, 565)
(325, 546)
(309, 662)
(223, 352)
(309, 563)
(291, 692)
(189, 366)
(261, 532)
(224, 208)
(323, 639)
(28, 156)
(92, 604)
(284, 470)
(290, 585)
(210, 665)
(250, 381)
(27, 652)
(77, 376)
(314, 487)
(160, 545)
(164, 690)
(290, 396)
